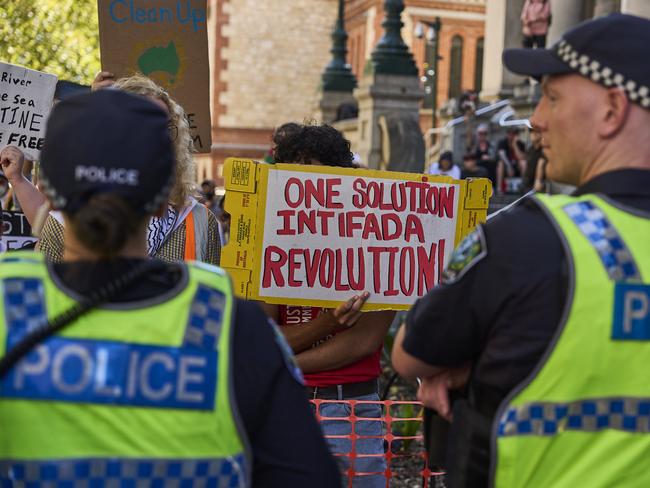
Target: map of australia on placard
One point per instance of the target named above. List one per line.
(160, 59)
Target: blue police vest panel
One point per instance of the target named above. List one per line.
(106, 372)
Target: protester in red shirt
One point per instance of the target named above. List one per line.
(338, 350)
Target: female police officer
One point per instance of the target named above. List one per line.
(118, 370)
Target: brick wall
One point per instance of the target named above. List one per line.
(274, 55)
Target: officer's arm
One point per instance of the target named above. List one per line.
(349, 346)
(286, 441)
(409, 366)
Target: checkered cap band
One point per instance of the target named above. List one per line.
(24, 302)
(603, 236)
(206, 318)
(123, 473)
(600, 73)
(593, 415)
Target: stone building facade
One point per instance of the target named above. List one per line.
(462, 26)
(267, 58)
(503, 30)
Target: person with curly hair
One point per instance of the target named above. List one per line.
(311, 144)
(339, 349)
(184, 230)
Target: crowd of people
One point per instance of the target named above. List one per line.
(127, 359)
(511, 166)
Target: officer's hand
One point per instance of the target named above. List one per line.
(434, 391)
(12, 160)
(347, 314)
(104, 79)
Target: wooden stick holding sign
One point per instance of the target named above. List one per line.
(166, 40)
(25, 103)
(316, 235)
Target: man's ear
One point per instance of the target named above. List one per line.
(616, 113)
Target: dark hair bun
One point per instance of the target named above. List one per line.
(105, 223)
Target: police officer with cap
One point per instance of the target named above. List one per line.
(117, 370)
(543, 319)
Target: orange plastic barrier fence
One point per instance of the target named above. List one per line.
(403, 441)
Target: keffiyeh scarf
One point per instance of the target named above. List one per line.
(159, 229)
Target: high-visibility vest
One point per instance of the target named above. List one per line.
(133, 394)
(196, 234)
(582, 418)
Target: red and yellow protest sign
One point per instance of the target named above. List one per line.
(317, 235)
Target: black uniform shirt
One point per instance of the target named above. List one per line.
(286, 441)
(501, 314)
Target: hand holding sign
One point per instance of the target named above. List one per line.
(12, 160)
(104, 79)
(347, 314)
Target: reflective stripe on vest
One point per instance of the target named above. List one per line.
(548, 418)
(81, 473)
(604, 237)
(196, 234)
(580, 417)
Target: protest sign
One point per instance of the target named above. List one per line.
(25, 102)
(317, 235)
(16, 231)
(166, 40)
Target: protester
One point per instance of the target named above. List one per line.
(471, 169)
(224, 221)
(184, 230)
(535, 21)
(541, 318)
(485, 154)
(209, 198)
(338, 350)
(511, 161)
(445, 166)
(535, 176)
(124, 370)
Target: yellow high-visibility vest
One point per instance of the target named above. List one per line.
(133, 394)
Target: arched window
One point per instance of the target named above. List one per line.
(455, 66)
(478, 69)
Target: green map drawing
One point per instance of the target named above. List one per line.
(163, 59)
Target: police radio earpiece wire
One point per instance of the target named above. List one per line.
(101, 295)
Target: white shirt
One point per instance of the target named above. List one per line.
(454, 171)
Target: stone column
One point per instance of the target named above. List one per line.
(338, 81)
(389, 99)
(566, 14)
(636, 7)
(605, 7)
(502, 30)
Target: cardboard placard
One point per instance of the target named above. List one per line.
(26, 99)
(166, 40)
(16, 231)
(317, 235)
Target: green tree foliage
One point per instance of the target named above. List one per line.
(56, 36)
